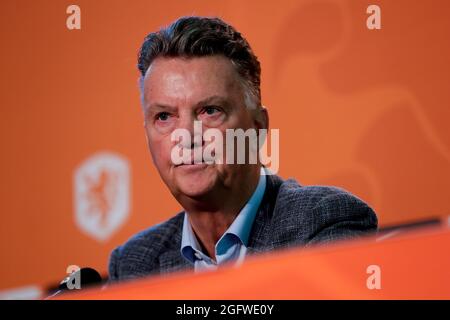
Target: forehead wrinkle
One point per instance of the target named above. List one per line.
(169, 90)
(174, 81)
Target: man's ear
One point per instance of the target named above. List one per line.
(261, 118)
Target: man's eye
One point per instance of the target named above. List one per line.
(163, 116)
(211, 110)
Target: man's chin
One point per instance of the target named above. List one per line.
(195, 180)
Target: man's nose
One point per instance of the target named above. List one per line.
(194, 128)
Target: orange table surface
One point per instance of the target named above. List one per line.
(415, 265)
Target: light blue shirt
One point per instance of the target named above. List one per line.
(232, 246)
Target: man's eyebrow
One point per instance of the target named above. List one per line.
(212, 100)
(161, 106)
(157, 107)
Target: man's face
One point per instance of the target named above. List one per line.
(179, 91)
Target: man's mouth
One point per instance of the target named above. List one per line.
(192, 164)
(196, 162)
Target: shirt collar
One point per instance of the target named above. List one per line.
(239, 230)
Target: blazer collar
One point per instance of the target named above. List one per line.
(171, 259)
(261, 226)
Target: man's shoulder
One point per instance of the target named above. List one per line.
(292, 195)
(312, 214)
(142, 251)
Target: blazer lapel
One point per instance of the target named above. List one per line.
(261, 226)
(171, 260)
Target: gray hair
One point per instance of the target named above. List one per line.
(202, 36)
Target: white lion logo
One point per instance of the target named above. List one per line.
(101, 194)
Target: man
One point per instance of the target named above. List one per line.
(202, 69)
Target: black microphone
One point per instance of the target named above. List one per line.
(80, 279)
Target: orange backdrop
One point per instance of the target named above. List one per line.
(367, 110)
